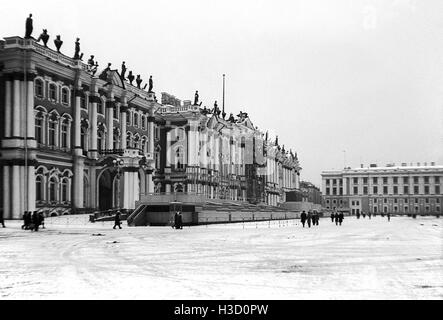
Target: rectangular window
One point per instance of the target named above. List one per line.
(405, 180)
(385, 180)
(437, 189)
(341, 191)
(375, 190)
(39, 130)
(375, 200)
(426, 180)
(416, 190)
(395, 200)
(415, 180)
(327, 181)
(334, 191)
(355, 190)
(438, 209)
(365, 180)
(353, 203)
(395, 180)
(416, 200)
(437, 179)
(374, 180)
(426, 189)
(355, 180)
(51, 141)
(385, 190)
(334, 182)
(115, 113)
(406, 201)
(328, 191)
(385, 200)
(365, 190)
(395, 190)
(405, 189)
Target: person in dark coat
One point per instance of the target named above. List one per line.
(389, 217)
(42, 220)
(117, 220)
(2, 220)
(176, 218)
(309, 218)
(35, 220)
(332, 217)
(180, 220)
(364, 215)
(369, 215)
(337, 218)
(316, 218)
(341, 217)
(303, 218)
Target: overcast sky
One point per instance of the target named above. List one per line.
(326, 76)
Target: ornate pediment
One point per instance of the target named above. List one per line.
(113, 77)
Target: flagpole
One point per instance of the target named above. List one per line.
(223, 94)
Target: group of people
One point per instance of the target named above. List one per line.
(312, 217)
(33, 220)
(178, 220)
(337, 217)
(363, 214)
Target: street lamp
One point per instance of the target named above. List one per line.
(118, 163)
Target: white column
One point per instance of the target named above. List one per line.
(123, 129)
(30, 111)
(31, 188)
(110, 126)
(78, 183)
(16, 118)
(6, 193)
(150, 183)
(204, 152)
(126, 190)
(93, 125)
(77, 123)
(151, 135)
(168, 149)
(15, 193)
(8, 108)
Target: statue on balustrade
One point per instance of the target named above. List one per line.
(130, 77)
(139, 81)
(77, 49)
(231, 118)
(29, 27)
(44, 37)
(91, 62)
(151, 84)
(216, 110)
(196, 98)
(123, 72)
(58, 43)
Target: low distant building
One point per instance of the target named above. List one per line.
(308, 197)
(405, 189)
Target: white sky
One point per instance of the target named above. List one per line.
(364, 76)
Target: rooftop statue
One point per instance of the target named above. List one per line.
(216, 110)
(77, 49)
(130, 77)
(231, 118)
(108, 68)
(58, 43)
(29, 27)
(94, 70)
(91, 62)
(139, 81)
(44, 37)
(123, 72)
(151, 84)
(196, 98)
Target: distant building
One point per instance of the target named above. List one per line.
(307, 197)
(404, 189)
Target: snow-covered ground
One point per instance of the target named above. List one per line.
(363, 259)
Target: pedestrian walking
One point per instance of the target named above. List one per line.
(332, 217)
(42, 219)
(369, 215)
(358, 214)
(35, 220)
(176, 220)
(389, 217)
(309, 218)
(317, 218)
(180, 220)
(2, 220)
(117, 220)
(25, 220)
(341, 217)
(303, 218)
(364, 215)
(337, 218)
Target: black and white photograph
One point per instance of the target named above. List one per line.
(243, 150)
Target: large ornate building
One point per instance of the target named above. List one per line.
(405, 189)
(73, 141)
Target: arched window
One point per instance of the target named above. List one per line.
(39, 88)
(84, 138)
(53, 189)
(39, 128)
(65, 96)
(52, 128)
(39, 188)
(116, 140)
(179, 158)
(100, 140)
(143, 122)
(83, 101)
(64, 134)
(136, 120)
(52, 92)
(100, 108)
(129, 140)
(137, 142)
(65, 190)
(128, 118)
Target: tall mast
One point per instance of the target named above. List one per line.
(223, 94)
